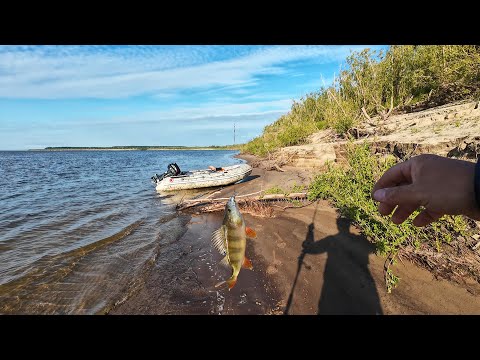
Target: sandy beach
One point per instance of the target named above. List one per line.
(306, 261)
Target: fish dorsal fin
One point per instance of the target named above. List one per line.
(250, 232)
(219, 240)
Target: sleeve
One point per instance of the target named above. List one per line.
(477, 182)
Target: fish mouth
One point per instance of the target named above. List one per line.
(232, 206)
(231, 201)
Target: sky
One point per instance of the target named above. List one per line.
(154, 95)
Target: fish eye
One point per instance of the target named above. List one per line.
(229, 210)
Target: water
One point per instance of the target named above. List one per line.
(78, 228)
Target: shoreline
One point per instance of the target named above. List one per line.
(306, 261)
(100, 149)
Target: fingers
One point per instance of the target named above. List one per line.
(402, 213)
(399, 195)
(385, 209)
(426, 217)
(398, 174)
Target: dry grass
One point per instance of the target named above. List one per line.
(455, 262)
(256, 208)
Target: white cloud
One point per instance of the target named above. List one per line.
(96, 72)
(180, 115)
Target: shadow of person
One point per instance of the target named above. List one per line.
(348, 286)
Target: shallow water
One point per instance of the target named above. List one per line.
(78, 229)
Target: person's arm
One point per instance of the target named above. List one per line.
(477, 183)
(439, 184)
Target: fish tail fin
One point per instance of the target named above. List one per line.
(231, 283)
(247, 264)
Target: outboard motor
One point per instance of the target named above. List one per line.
(172, 170)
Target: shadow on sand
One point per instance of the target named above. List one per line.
(247, 179)
(348, 286)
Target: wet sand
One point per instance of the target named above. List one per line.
(306, 261)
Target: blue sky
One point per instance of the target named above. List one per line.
(153, 95)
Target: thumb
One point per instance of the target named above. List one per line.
(398, 195)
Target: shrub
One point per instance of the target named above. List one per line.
(349, 188)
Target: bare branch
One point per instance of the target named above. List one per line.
(366, 115)
(391, 108)
(408, 100)
(340, 106)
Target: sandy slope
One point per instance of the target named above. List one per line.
(452, 130)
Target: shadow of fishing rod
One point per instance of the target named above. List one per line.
(309, 240)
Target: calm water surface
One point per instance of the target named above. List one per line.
(79, 228)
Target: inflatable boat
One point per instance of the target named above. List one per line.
(174, 179)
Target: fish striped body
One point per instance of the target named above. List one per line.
(236, 244)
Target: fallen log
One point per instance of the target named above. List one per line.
(268, 197)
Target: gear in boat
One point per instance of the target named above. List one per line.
(172, 170)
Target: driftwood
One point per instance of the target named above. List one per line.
(240, 199)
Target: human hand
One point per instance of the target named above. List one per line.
(441, 185)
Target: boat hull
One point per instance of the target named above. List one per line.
(205, 178)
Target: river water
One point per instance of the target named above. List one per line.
(80, 228)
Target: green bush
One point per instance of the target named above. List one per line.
(349, 188)
(275, 190)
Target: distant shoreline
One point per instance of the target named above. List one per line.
(137, 149)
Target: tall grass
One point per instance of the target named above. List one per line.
(379, 82)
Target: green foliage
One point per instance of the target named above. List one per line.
(297, 188)
(278, 190)
(296, 203)
(391, 280)
(275, 190)
(349, 188)
(378, 82)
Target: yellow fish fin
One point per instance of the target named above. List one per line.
(247, 264)
(250, 232)
(219, 241)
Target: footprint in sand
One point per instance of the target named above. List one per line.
(271, 270)
(281, 244)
